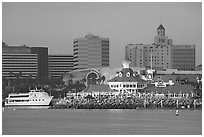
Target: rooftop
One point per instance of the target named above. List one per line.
(97, 88)
(176, 88)
(161, 27)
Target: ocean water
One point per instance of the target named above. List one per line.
(101, 122)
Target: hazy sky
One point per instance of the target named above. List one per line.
(55, 25)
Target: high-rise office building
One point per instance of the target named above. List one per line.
(11, 49)
(183, 57)
(17, 61)
(33, 61)
(91, 52)
(155, 56)
(162, 54)
(22, 65)
(59, 65)
(25, 60)
(135, 54)
(42, 54)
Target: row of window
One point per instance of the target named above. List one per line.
(36, 100)
(19, 60)
(20, 56)
(18, 100)
(22, 96)
(128, 86)
(26, 100)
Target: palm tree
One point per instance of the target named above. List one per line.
(71, 76)
(103, 78)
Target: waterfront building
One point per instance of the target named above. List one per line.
(89, 76)
(91, 52)
(95, 91)
(127, 81)
(176, 91)
(59, 65)
(162, 54)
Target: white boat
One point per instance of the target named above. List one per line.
(34, 98)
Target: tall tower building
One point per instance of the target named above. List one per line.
(91, 52)
(162, 54)
(157, 54)
(160, 38)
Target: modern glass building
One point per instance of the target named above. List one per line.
(59, 65)
(91, 52)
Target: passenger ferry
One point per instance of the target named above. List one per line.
(34, 98)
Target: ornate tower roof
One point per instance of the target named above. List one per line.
(126, 63)
(126, 74)
(161, 27)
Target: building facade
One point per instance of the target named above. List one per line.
(135, 54)
(17, 61)
(42, 55)
(59, 65)
(22, 65)
(15, 49)
(155, 56)
(91, 52)
(126, 81)
(183, 57)
(24, 61)
(162, 54)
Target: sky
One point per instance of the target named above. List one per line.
(55, 25)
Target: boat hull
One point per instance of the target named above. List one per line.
(26, 107)
(29, 103)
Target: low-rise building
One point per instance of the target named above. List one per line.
(126, 81)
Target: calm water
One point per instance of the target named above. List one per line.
(100, 122)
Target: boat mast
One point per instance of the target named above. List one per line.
(151, 61)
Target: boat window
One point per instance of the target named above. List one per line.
(33, 100)
(20, 96)
(39, 99)
(42, 99)
(36, 100)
